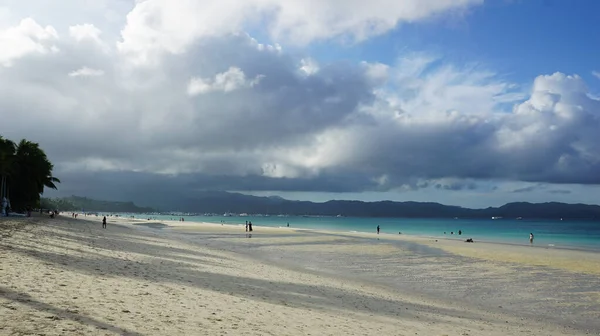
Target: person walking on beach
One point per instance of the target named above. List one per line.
(104, 222)
(530, 238)
(377, 229)
(246, 226)
(250, 226)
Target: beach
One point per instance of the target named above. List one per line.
(68, 276)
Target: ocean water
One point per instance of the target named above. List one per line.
(553, 233)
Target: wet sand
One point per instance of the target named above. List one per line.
(582, 261)
(70, 277)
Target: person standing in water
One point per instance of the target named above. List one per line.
(377, 229)
(530, 238)
(104, 222)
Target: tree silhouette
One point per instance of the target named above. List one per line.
(25, 171)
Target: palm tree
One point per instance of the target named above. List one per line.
(31, 173)
(7, 153)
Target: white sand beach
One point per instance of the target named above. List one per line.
(68, 276)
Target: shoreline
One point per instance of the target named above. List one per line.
(560, 245)
(69, 276)
(560, 258)
(190, 225)
(564, 258)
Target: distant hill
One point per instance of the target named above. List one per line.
(75, 203)
(224, 202)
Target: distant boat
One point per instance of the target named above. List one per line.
(496, 217)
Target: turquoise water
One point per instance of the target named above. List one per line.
(572, 234)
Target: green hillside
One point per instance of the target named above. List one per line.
(76, 203)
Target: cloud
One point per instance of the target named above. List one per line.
(219, 109)
(448, 122)
(378, 73)
(86, 72)
(230, 80)
(596, 74)
(309, 66)
(26, 38)
(456, 185)
(560, 191)
(526, 189)
(157, 26)
(141, 120)
(85, 32)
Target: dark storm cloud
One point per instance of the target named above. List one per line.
(559, 191)
(150, 188)
(526, 189)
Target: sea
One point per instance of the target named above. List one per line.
(572, 234)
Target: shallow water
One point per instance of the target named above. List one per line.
(567, 233)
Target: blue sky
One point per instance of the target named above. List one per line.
(521, 39)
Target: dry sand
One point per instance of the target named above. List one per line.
(70, 277)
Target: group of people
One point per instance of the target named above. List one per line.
(248, 226)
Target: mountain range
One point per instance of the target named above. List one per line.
(229, 202)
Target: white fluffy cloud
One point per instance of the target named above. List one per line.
(85, 32)
(230, 80)
(28, 37)
(440, 127)
(156, 26)
(217, 105)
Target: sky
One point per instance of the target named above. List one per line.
(463, 102)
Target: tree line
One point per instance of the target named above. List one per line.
(77, 203)
(26, 172)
